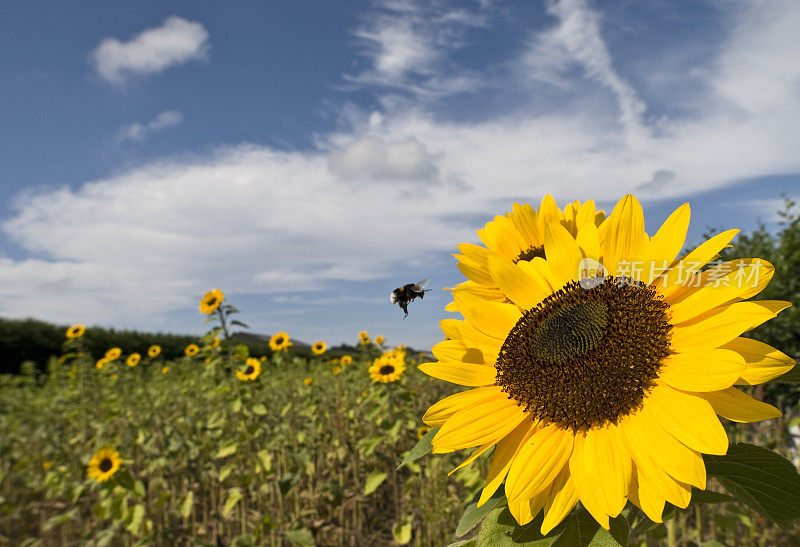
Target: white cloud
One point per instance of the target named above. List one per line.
(369, 158)
(175, 42)
(578, 40)
(139, 131)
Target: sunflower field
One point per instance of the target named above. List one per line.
(561, 408)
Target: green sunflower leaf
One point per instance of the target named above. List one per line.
(234, 495)
(761, 479)
(473, 514)
(301, 537)
(423, 447)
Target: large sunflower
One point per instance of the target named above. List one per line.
(211, 301)
(104, 463)
(279, 341)
(251, 371)
(604, 389)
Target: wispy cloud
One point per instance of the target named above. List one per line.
(139, 131)
(175, 42)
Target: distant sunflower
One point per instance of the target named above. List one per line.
(113, 353)
(251, 371)
(215, 342)
(365, 341)
(164, 370)
(211, 301)
(263, 358)
(115, 376)
(336, 370)
(76, 331)
(104, 463)
(308, 381)
(346, 360)
(363, 334)
(279, 341)
(191, 350)
(422, 430)
(386, 370)
(319, 347)
(103, 361)
(379, 339)
(154, 351)
(133, 359)
(606, 388)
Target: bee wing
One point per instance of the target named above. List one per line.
(423, 284)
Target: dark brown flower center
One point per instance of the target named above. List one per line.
(279, 340)
(530, 253)
(586, 357)
(105, 465)
(249, 370)
(211, 301)
(385, 370)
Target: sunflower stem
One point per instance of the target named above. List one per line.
(672, 536)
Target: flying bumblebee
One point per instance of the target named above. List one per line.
(407, 293)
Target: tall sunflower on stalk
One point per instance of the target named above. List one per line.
(600, 374)
(213, 305)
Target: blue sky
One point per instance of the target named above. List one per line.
(309, 157)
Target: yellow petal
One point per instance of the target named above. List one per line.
(450, 327)
(463, 374)
(586, 214)
(548, 212)
(472, 457)
(473, 254)
(562, 253)
(589, 241)
(721, 325)
(645, 496)
(539, 270)
(440, 411)
(491, 318)
(455, 350)
(507, 449)
(524, 219)
(672, 280)
(474, 273)
(485, 422)
(688, 418)
(669, 239)
(583, 469)
(739, 407)
(501, 236)
(718, 288)
(539, 462)
(763, 362)
(522, 289)
(702, 370)
(652, 447)
(625, 236)
(561, 498)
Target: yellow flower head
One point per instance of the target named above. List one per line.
(363, 334)
(600, 367)
(191, 350)
(346, 360)
(379, 339)
(365, 341)
(319, 348)
(308, 381)
(104, 463)
(215, 342)
(76, 331)
(113, 353)
(133, 359)
(251, 371)
(279, 341)
(263, 358)
(154, 351)
(389, 367)
(422, 430)
(164, 370)
(103, 361)
(115, 376)
(336, 370)
(211, 301)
